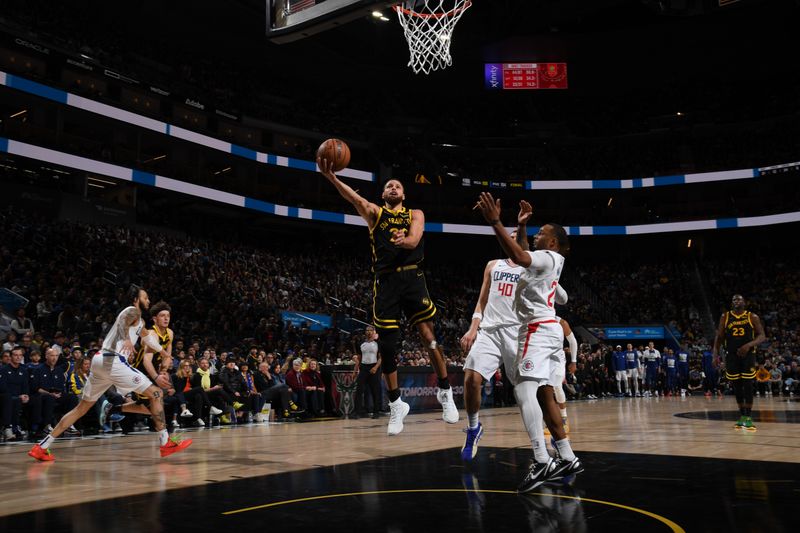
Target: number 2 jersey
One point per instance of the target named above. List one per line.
(537, 287)
(504, 279)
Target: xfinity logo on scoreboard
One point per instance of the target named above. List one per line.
(520, 76)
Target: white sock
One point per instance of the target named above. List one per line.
(565, 450)
(473, 420)
(46, 442)
(396, 402)
(563, 413)
(163, 437)
(532, 417)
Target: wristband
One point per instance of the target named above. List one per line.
(479, 316)
(493, 222)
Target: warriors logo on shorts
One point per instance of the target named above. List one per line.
(137, 379)
(426, 301)
(527, 365)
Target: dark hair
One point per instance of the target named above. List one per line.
(159, 306)
(133, 292)
(561, 236)
(392, 179)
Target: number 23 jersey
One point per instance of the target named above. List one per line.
(739, 331)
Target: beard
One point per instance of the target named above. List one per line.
(392, 202)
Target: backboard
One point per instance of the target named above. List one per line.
(292, 20)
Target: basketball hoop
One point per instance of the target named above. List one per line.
(428, 26)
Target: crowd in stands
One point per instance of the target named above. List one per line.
(233, 353)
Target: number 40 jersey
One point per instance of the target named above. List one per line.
(502, 291)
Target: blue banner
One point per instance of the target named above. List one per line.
(628, 332)
(316, 322)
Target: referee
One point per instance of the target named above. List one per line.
(367, 369)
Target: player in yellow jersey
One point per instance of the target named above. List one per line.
(740, 332)
(396, 234)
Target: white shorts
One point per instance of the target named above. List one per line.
(621, 374)
(493, 347)
(558, 368)
(633, 373)
(114, 370)
(538, 344)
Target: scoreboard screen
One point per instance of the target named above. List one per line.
(521, 76)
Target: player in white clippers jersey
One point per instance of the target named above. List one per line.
(490, 342)
(110, 367)
(559, 368)
(540, 336)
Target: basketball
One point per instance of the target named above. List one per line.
(336, 151)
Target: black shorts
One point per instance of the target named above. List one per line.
(401, 292)
(740, 367)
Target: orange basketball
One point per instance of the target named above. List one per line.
(336, 151)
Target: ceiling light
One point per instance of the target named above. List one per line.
(156, 158)
(384, 19)
(101, 180)
(377, 14)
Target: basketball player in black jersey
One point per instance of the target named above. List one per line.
(396, 235)
(145, 360)
(740, 332)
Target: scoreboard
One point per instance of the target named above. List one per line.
(522, 76)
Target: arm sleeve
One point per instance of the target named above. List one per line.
(561, 295)
(573, 347)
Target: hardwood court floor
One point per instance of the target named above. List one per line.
(252, 465)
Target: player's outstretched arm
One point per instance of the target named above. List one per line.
(468, 339)
(365, 208)
(525, 212)
(490, 209)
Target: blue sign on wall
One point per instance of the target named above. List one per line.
(630, 332)
(316, 322)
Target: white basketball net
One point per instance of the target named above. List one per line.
(428, 27)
